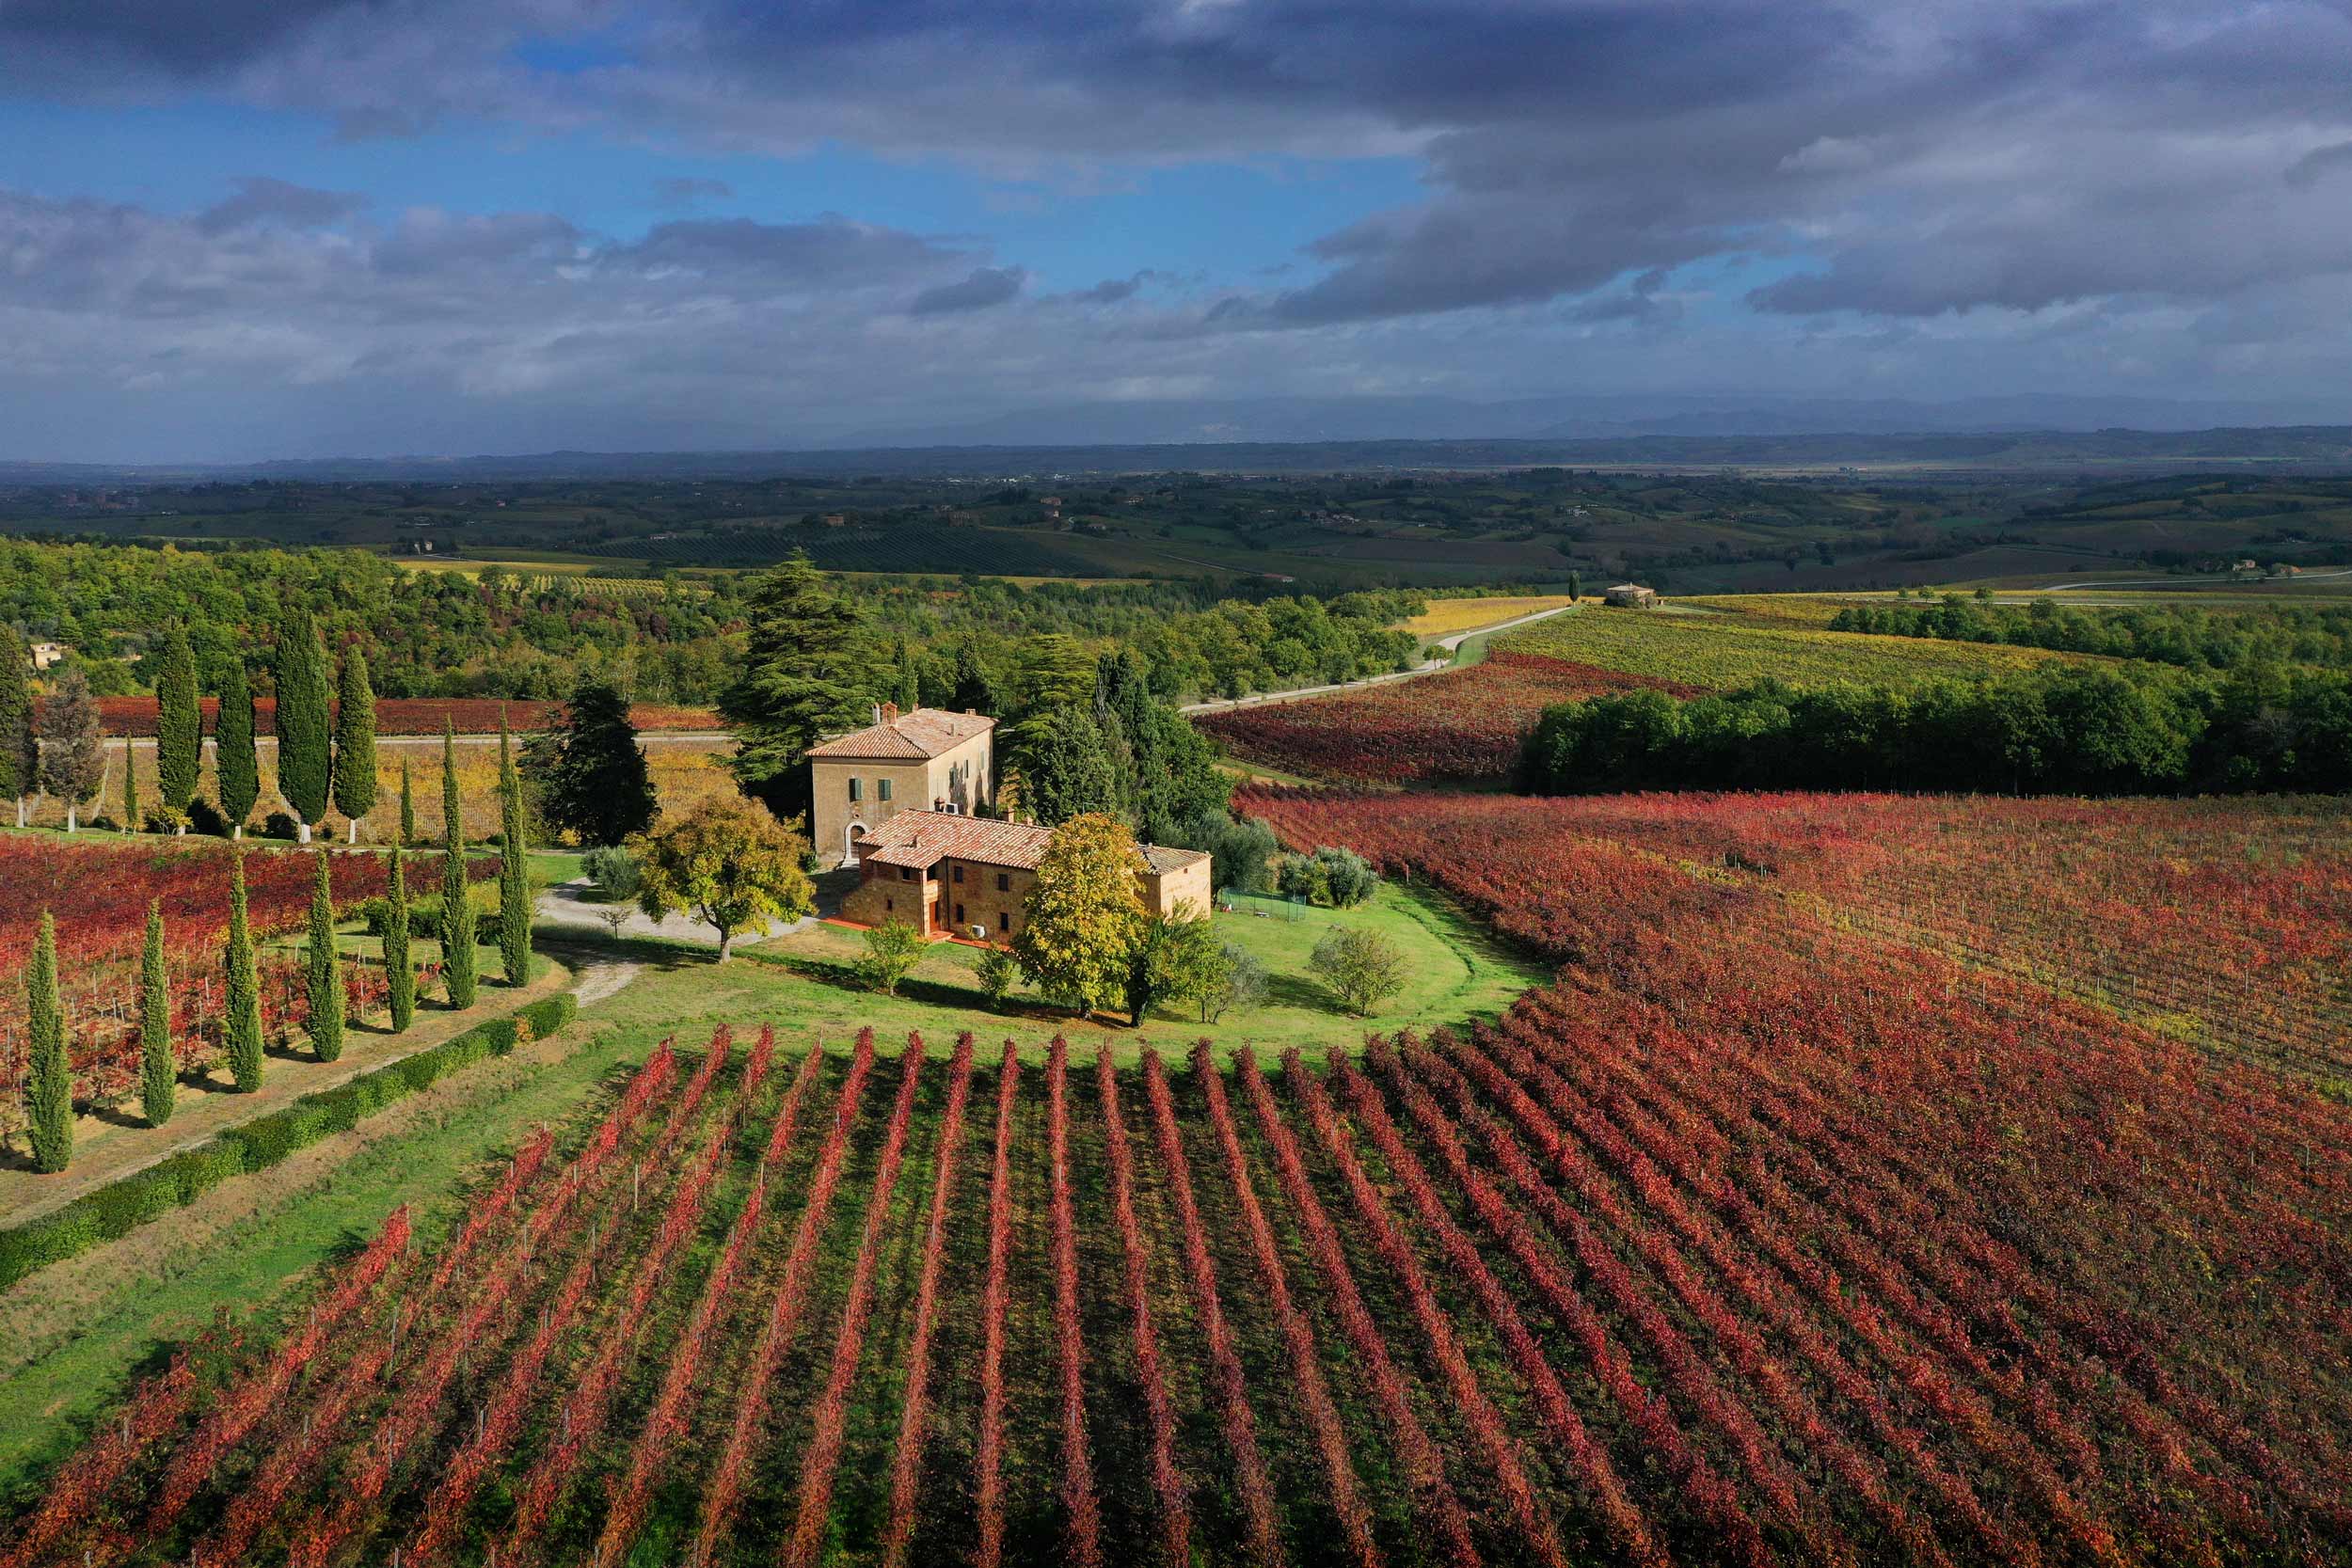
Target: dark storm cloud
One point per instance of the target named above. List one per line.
(977, 291)
(171, 37)
(263, 199)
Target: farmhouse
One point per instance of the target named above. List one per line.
(47, 654)
(948, 875)
(928, 760)
(1631, 596)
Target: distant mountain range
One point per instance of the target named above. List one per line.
(2029, 433)
(1576, 417)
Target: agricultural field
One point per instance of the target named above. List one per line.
(684, 772)
(1456, 726)
(414, 716)
(2037, 1283)
(1720, 651)
(1444, 617)
(98, 893)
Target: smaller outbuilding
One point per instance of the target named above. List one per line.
(1631, 596)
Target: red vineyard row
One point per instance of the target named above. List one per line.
(1825, 1264)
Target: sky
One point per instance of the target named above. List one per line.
(251, 229)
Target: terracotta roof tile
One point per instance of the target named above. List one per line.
(927, 732)
(924, 837)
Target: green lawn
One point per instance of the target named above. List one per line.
(1457, 972)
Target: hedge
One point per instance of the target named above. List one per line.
(120, 1207)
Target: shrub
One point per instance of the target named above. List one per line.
(1349, 877)
(279, 825)
(893, 949)
(612, 873)
(205, 817)
(996, 972)
(1362, 968)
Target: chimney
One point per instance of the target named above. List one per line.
(877, 713)
(888, 713)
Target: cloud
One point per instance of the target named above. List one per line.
(2319, 163)
(981, 288)
(690, 192)
(263, 199)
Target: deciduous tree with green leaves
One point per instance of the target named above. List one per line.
(237, 768)
(1362, 968)
(48, 1076)
(355, 742)
(893, 949)
(323, 968)
(458, 976)
(243, 1025)
(730, 864)
(179, 725)
(159, 1073)
(72, 753)
(805, 673)
(306, 763)
(513, 872)
(1081, 921)
(400, 974)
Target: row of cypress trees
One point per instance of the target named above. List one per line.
(49, 1080)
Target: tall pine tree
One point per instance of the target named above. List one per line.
(179, 725)
(159, 1074)
(238, 769)
(306, 763)
(20, 751)
(589, 772)
(49, 1076)
(804, 674)
(244, 1023)
(323, 969)
(399, 977)
(355, 742)
(514, 875)
(457, 922)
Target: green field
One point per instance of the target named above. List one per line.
(1725, 650)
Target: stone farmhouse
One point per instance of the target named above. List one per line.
(1631, 596)
(929, 760)
(948, 874)
(899, 797)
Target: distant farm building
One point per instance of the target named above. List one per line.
(47, 654)
(1631, 596)
(948, 874)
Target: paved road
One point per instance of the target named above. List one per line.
(1448, 643)
(570, 913)
(2165, 582)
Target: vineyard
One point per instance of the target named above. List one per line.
(2223, 923)
(1456, 726)
(1641, 1273)
(1721, 651)
(942, 551)
(135, 716)
(100, 891)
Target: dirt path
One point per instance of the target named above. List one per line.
(112, 1145)
(1449, 643)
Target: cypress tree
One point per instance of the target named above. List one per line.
(49, 1079)
(400, 980)
(355, 742)
(514, 877)
(179, 725)
(239, 770)
(245, 991)
(324, 969)
(407, 807)
(306, 763)
(158, 1073)
(20, 753)
(457, 933)
(130, 786)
